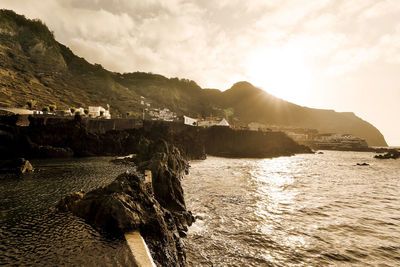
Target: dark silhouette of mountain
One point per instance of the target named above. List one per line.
(33, 65)
(253, 104)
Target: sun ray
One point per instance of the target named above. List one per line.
(283, 72)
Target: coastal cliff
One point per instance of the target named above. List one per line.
(225, 142)
(66, 138)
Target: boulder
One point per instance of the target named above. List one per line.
(391, 154)
(125, 160)
(167, 167)
(18, 166)
(124, 206)
(154, 206)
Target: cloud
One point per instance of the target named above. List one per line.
(211, 42)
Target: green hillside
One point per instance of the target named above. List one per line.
(33, 65)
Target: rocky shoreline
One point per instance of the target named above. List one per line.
(390, 154)
(67, 138)
(156, 207)
(17, 166)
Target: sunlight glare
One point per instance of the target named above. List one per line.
(282, 72)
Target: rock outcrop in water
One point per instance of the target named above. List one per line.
(167, 167)
(124, 206)
(16, 166)
(157, 209)
(391, 154)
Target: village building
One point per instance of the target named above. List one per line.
(207, 123)
(166, 115)
(297, 136)
(161, 114)
(67, 112)
(189, 121)
(80, 111)
(213, 122)
(96, 111)
(339, 141)
(223, 122)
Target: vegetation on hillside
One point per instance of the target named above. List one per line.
(28, 28)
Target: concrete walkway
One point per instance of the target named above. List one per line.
(139, 249)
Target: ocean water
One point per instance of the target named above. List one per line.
(305, 210)
(33, 233)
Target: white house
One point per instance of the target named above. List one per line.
(328, 137)
(223, 122)
(66, 112)
(189, 121)
(212, 122)
(95, 111)
(297, 136)
(166, 115)
(80, 110)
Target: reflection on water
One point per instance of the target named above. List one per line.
(274, 196)
(33, 233)
(306, 210)
(294, 211)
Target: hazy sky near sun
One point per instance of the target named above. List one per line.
(333, 54)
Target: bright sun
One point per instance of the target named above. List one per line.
(283, 73)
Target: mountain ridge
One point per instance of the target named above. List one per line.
(33, 65)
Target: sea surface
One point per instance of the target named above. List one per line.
(32, 233)
(304, 210)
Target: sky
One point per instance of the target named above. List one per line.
(332, 54)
